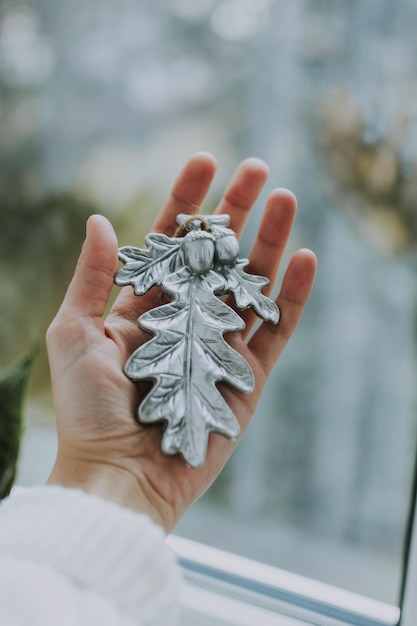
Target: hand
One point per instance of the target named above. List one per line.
(101, 446)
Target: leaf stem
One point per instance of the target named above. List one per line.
(189, 338)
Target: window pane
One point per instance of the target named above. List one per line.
(100, 104)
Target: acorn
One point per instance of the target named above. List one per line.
(227, 247)
(198, 250)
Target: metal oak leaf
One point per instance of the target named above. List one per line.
(186, 358)
(147, 267)
(188, 355)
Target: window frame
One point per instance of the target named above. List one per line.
(273, 591)
(408, 601)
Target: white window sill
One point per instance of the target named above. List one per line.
(222, 589)
(206, 608)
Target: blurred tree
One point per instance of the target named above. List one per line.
(369, 179)
(39, 244)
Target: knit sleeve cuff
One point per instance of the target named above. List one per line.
(96, 543)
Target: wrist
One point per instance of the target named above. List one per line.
(107, 481)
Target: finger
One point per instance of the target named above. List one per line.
(89, 290)
(269, 341)
(271, 240)
(242, 192)
(188, 192)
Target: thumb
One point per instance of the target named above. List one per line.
(89, 290)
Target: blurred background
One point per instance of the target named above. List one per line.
(101, 104)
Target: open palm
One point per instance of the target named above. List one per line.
(102, 448)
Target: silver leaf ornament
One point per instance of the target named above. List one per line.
(187, 355)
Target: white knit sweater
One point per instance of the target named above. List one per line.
(72, 559)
